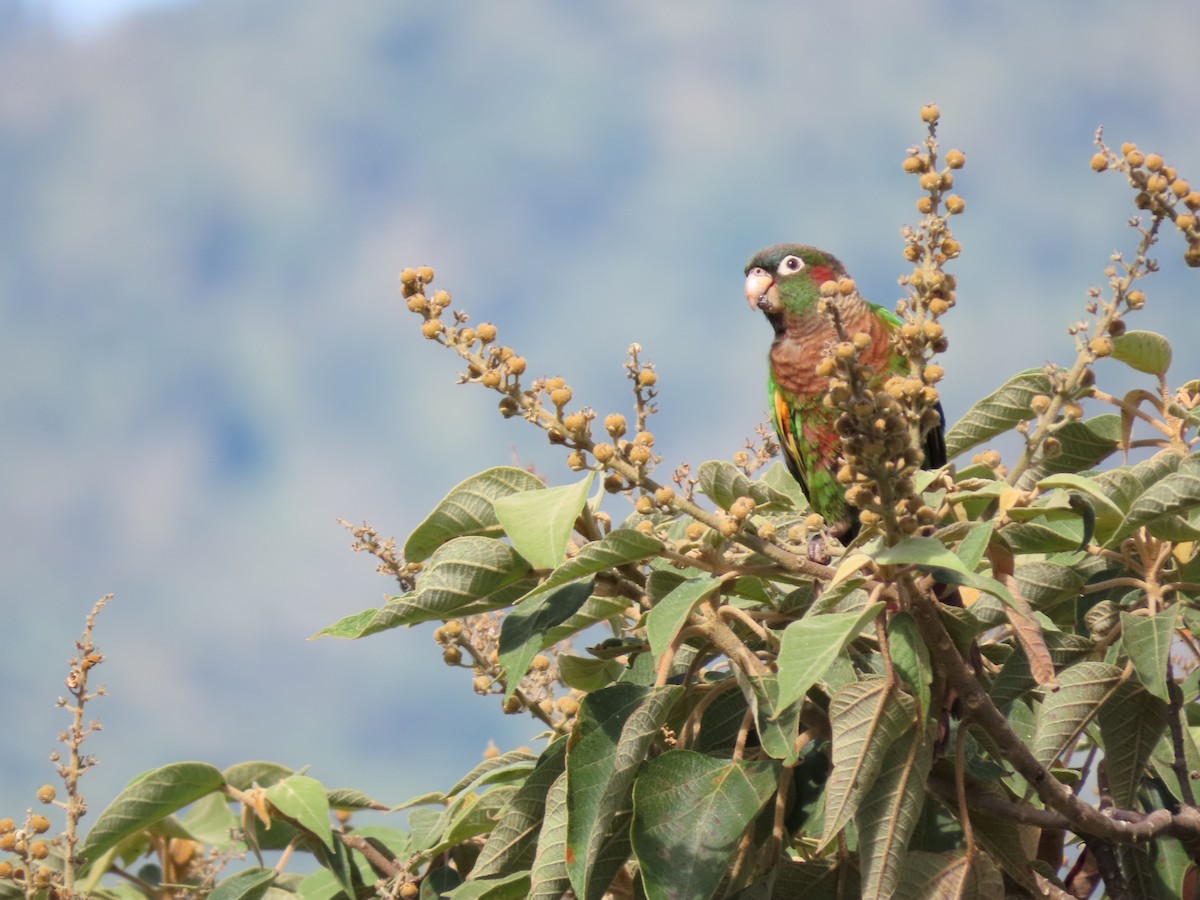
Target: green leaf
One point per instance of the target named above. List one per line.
(997, 412)
(723, 482)
(1176, 493)
(689, 814)
(1063, 713)
(523, 633)
(209, 820)
(930, 554)
(618, 548)
(1132, 723)
(150, 797)
(508, 887)
(370, 621)
(303, 800)
(1143, 350)
(810, 645)
(1047, 584)
(889, 809)
(587, 675)
(1083, 445)
(614, 730)
(250, 884)
(539, 523)
(910, 656)
(255, 773)
(548, 879)
(469, 575)
(777, 724)
(952, 874)
(1146, 640)
(669, 614)
(468, 510)
(778, 478)
(866, 717)
(595, 609)
(511, 766)
(513, 842)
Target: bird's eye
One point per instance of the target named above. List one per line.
(790, 265)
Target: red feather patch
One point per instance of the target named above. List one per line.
(820, 274)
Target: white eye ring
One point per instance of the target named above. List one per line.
(790, 265)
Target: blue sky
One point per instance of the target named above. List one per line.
(88, 17)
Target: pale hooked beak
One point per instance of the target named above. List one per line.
(761, 292)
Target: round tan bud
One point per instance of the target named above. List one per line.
(490, 378)
(575, 422)
(826, 367)
(6, 869)
(1135, 157)
(1185, 221)
(39, 824)
(639, 454)
(951, 248)
(554, 383)
(644, 527)
(1116, 327)
(603, 452)
(1192, 200)
(408, 277)
(6, 825)
(466, 335)
(46, 793)
(560, 397)
(929, 181)
(539, 663)
(1099, 162)
(828, 288)
(933, 331)
(861, 340)
(507, 407)
(913, 164)
(614, 483)
(1052, 447)
(410, 891)
(1154, 162)
(933, 374)
(844, 350)
(930, 113)
(1072, 411)
(568, 706)
(647, 378)
(511, 706)
(8, 840)
(555, 436)
(431, 328)
(575, 461)
(1127, 148)
(417, 303)
(614, 424)
(742, 508)
(1191, 256)
(1142, 200)
(695, 530)
(1180, 187)
(1156, 184)
(924, 206)
(766, 531)
(486, 332)
(644, 505)
(869, 518)
(644, 437)
(664, 496)
(452, 656)
(1101, 346)
(956, 159)
(955, 204)
(912, 252)
(515, 365)
(846, 286)
(440, 299)
(1039, 403)
(1135, 299)
(425, 274)
(728, 527)
(929, 396)
(938, 306)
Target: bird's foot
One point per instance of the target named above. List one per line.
(817, 551)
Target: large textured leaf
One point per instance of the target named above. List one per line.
(1146, 640)
(1046, 584)
(468, 575)
(1143, 350)
(997, 412)
(1176, 493)
(669, 614)
(246, 885)
(1016, 677)
(513, 842)
(810, 645)
(525, 630)
(888, 812)
(548, 876)
(624, 545)
(514, 765)
(1082, 446)
(468, 509)
(776, 723)
(303, 800)
(910, 657)
(370, 621)
(539, 523)
(951, 876)
(507, 887)
(1132, 722)
(615, 728)
(1063, 713)
(866, 717)
(689, 812)
(151, 796)
(723, 482)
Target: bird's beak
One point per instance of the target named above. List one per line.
(761, 292)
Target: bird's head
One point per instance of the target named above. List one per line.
(788, 278)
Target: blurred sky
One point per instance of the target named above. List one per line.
(84, 18)
(204, 360)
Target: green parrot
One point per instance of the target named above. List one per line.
(784, 282)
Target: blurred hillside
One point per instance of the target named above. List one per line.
(203, 361)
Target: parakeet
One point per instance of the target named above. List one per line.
(784, 282)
